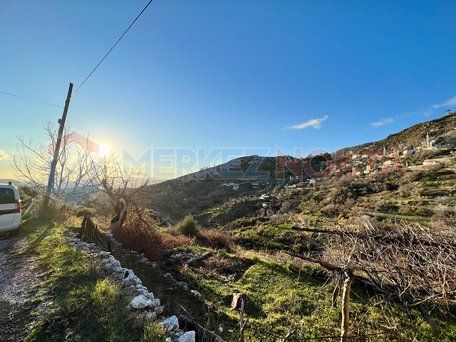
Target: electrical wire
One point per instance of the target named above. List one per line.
(112, 48)
(30, 99)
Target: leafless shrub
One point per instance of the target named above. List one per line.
(407, 262)
(139, 232)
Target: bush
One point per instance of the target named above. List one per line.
(84, 211)
(58, 211)
(139, 232)
(330, 210)
(171, 241)
(154, 332)
(215, 238)
(187, 226)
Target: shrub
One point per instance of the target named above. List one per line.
(171, 241)
(84, 211)
(154, 332)
(330, 210)
(139, 233)
(58, 211)
(144, 241)
(187, 226)
(215, 238)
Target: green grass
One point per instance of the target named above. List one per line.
(281, 297)
(86, 305)
(271, 237)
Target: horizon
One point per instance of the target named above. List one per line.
(257, 76)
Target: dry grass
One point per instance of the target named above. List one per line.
(215, 239)
(171, 241)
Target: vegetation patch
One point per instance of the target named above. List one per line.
(83, 302)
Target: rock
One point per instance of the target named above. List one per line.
(130, 290)
(155, 303)
(189, 336)
(196, 293)
(168, 339)
(183, 284)
(117, 269)
(151, 316)
(170, 323)
(143, 260)
(159, 310)
(168, 276)
(130, 278)
(140, 302)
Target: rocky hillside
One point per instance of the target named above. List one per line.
(440, 131)
(254, 175)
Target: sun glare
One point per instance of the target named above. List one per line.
(103, 150)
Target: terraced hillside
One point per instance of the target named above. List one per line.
(288, 241)
(400, 175)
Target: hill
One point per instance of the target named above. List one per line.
(255, 175)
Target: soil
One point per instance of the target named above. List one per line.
(18, 276)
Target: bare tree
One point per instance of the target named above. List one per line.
(80, 172)
(123, 188)
(72, 176)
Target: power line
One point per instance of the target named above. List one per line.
(30, 99)
(112, 48)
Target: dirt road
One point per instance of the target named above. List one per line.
(18, 275)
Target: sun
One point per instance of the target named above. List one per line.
(103, 150)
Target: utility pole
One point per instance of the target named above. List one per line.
(61, 121)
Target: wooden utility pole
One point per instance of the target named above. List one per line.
(50, 184)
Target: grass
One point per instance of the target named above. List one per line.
(281, 297)
(85, 304)
(271, 237)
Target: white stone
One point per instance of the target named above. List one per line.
(150, 295)
(189, 336)
(170, 323)
(196, 293)
(140, 302)
(130, 279)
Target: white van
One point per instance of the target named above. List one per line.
(10, 208)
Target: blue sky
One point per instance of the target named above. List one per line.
(253, 76)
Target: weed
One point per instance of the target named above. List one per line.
(188, 226)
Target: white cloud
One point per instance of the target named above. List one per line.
(4, 155)
(383, 122)
(448, 103)
(314, 123)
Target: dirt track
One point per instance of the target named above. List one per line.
(18, 275)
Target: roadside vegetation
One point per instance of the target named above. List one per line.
(77, 301)
(354, 257)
